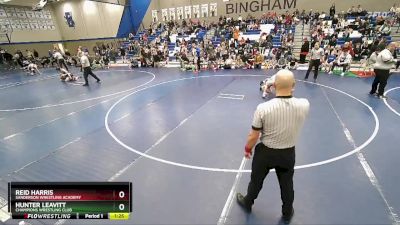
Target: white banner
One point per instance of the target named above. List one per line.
(3, 13)
(172, 14)
(11, 12)
(39, 15)
(196, 11)
(179, 13)
(30, 14)
(213, 9)
(204, 10)
(164, 13)
(154, 15)
(21, 14)
(188, 12)
(34, 25)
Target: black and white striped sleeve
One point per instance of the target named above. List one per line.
(257, 120)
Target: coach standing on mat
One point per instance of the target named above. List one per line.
(279, 122)
(384, 62)
(315, 60)
(87, 70)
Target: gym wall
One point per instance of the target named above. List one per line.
(92, 19)
(234, 8)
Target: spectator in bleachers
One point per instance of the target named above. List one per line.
(332, 10)
(29, 54)
(305, 48)
(359, 11)
(35, 54)
(343, 61)
(385, 29)
(122, 53)
(329, 58)
(351, 11)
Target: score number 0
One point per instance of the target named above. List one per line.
(121, 194)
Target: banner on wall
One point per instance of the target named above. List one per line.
(34, 25)
(3, 13)
(49, 22)
(46, 14)
(196, 11)
(21, 14)
(172, 14)
(164, 13)
(15, 24)
(204, 10)
(43, 26)
(179, 13)
(11, 12)
(30, 14)
(5, 25)
(39, 15)
(188, 12)
(69, 19)
(154, 15)
(25, 24)
(213, 9)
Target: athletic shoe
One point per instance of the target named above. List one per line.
(330, 72)
(342, 74)
(315, 80)
(98, 81)
(242, 202)
(382, 97)
(85, 85)
(287, 217)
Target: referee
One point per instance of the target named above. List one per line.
(279, 122)
(384, 62)
(316, 56)
(87, 70)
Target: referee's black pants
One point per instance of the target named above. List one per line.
(381, 77)
(265, 159)
(88, 71)
(313, 63)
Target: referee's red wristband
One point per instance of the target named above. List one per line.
(247, 149)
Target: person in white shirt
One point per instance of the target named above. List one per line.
(67, 76)
(316, 55)
(343, 60)
(32, 69)
(267, 85)
(87, 69)
(384, 62)
(60, 60)
(277, 124)
(385, 29)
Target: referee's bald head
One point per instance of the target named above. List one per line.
(284, 80)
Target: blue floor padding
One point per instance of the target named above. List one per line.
(51, 144)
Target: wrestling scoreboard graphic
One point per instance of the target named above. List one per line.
(70, 200)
